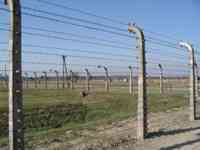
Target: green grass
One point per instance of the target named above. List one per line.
(102, 108)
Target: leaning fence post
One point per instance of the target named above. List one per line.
(142, 98)
(16, 133)
(131, 80)
(192, 80)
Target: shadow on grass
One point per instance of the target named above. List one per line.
(173, 132)
(197, 118)
(180, 145)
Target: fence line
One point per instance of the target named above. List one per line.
(90, 70)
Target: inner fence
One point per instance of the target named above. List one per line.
(81, 72)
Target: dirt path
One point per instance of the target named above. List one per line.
(168, 131)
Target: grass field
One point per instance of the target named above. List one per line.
(101, 108)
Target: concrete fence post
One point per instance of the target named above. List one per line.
(16, 126)
(196, 80)
(57, 79)
(6, 76)
(107, 79)
(192, 80)
(161, 78)
(131, 91)
(2, 78)
(35, 79)
(45, 79)
(72, 79)
(87, 79)
(63, 71)
(142, 98)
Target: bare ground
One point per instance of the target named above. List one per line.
(171, 130)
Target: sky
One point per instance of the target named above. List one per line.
(176, 20)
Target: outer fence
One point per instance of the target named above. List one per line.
(72, 80)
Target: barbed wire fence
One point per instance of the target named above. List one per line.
(58, 64)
